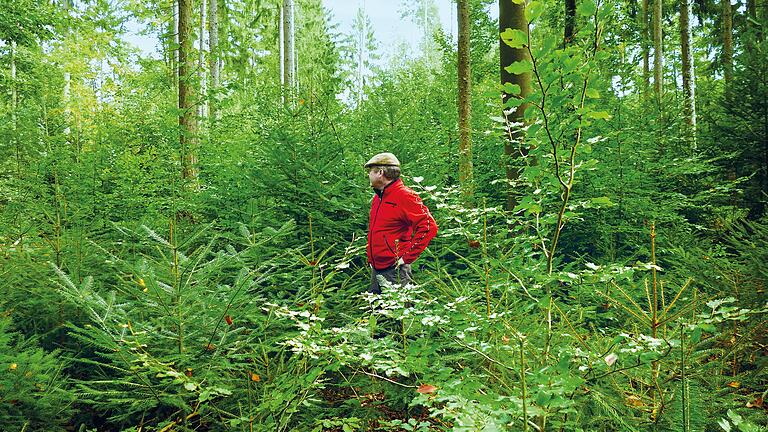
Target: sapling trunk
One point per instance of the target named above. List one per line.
(522, 382)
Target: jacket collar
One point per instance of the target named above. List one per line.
(394, 185)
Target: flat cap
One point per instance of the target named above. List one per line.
(383, 159)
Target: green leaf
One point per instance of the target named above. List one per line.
(599, 115)
(534, 10)
(586, 8)
(513, 102)
(602, 202)
(519, 67)
(724, 424)
(512, 89)
(593, 93)
(514, 38)
(530, 112)
(696, 335)
(190, 386)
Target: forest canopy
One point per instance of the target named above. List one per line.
(183, 235)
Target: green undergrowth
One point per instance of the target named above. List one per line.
(215, 330)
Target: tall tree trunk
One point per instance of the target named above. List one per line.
(570, 22)
(465, 100)
(187, 118)
(754, 20)
(727, 43)
(512, 16)
(281, 48)
(67, 80)
(689, 78)
(14, 106)
(213, 54)
(289, 52)
(646, 47)
(203, 105)
(658, 52)
(360, 50)
(175, 47)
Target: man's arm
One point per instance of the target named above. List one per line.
(424, 227)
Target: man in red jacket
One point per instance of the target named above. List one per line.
(400, 225)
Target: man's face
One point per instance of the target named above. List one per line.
(375, 177)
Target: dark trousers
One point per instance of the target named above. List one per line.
(398, 275)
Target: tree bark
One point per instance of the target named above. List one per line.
(213, 54)
(727, 43)
(645, 45)
(512, 16)
(570, 22)
(67, 81)
(14, 106)
(465, 99)
(281, 47)
(203, 105)
(658, 52)
(689, 77)
(175, 46)
(187, 117)
(289, 67)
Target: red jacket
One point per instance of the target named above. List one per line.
(400, 226)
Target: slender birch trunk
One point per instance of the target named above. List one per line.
(646, 38)
(658, 52)
(289, 67)
(213, 55)
(202, 107)
(14, 107)
(175, 48)
(727, 42)
(465, 99)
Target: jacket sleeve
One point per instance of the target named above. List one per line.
(424, 227)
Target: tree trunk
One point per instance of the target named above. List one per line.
(465, 100)
(213, 54)
(187, 118)
(175, 47)
(645, 45)
(658, 52)
(281, 48)
(361, 33)
(201, 107)
(727, 43)
(14, 106)
(512, 16)
(689, 78)
(67, 80)
(289, 68)
(570, 21)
